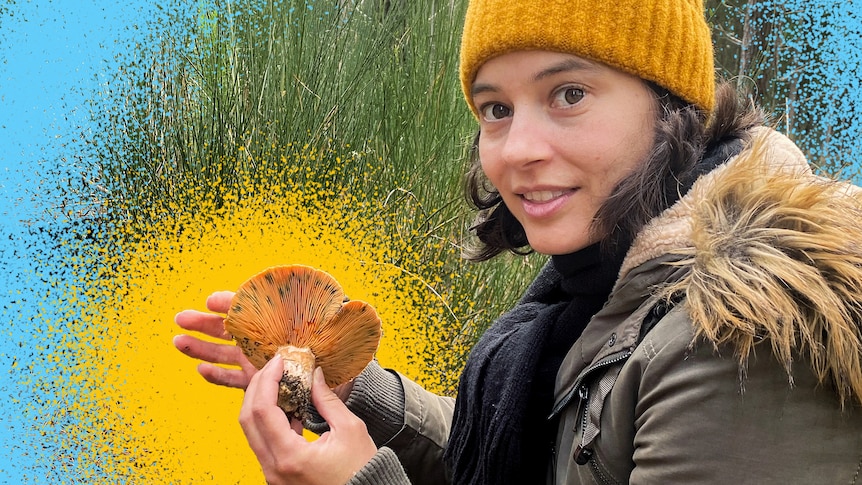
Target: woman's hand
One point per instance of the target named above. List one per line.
(212, 353)
(285, 456)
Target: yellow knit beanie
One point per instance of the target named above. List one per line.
(664, 41)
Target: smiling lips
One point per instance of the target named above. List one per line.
(543, 195)
(543, 203)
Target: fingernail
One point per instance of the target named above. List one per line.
(318, 374)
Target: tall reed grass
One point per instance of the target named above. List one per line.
(226, 84)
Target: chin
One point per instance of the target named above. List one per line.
(556, 241)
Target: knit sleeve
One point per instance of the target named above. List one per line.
(383, 469)
(377, 399)
(403, 418)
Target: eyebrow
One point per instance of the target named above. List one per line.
(568, 65)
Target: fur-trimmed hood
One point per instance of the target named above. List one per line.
(775, 259)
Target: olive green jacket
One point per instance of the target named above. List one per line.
(729, 351)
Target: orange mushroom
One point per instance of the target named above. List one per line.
(300, 313)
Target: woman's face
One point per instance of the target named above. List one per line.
(558, 132)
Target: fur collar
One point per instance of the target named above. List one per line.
(774, 255)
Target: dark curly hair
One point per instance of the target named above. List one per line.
(682, 135)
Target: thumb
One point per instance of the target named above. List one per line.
(327, 403)
(263, 386)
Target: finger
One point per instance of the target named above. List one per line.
(256, 404)
(207, 323)
(209, 351)
(220, 301)
(220, 376)
(328, 404)
(260, 397)
(262, 421)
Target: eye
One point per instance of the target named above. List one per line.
(568, 96)
(495, 111)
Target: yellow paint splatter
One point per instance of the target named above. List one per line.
(145, 414)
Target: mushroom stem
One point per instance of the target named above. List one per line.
(294, 389)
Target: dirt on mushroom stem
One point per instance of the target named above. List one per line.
(294, 388)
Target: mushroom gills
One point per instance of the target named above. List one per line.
(300, 313)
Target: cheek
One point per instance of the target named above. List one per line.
(630, 149)
(611, 163)
(643, 129)
(489, 162)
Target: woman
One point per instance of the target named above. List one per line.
(699, 320)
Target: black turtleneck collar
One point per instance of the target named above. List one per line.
(591, 271)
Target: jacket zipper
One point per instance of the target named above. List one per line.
(576, 388)
(583, 393)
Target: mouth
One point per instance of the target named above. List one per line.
(541, 196)
(542, 204)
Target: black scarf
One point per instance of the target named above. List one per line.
(500, 431)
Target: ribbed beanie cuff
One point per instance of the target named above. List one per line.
(664, 41)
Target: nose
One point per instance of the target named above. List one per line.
(526, 139)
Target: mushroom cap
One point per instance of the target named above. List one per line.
(304, 307)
